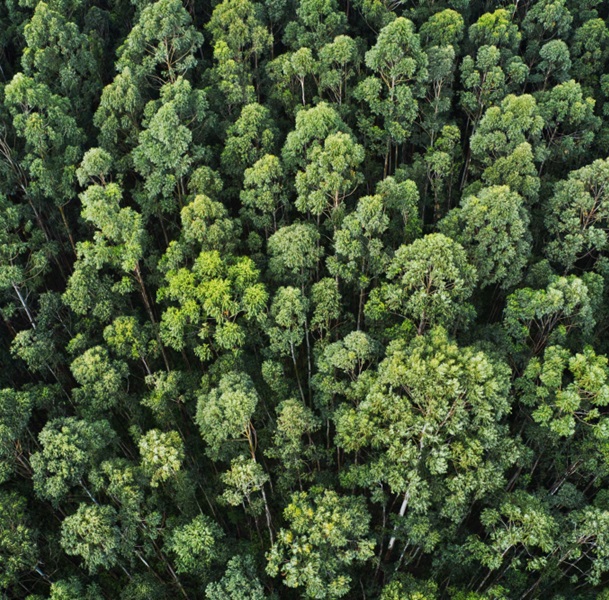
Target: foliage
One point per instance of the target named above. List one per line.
(304, 299)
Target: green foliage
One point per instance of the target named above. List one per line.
(432, 424)
(216, 298)
(224, 413)
(239, 582)
(70, 447)
(493, 228)
(327, 534)
(575, 215)
(18, 549)
(162, 455)
(432, 281)
(304, 299)
(15, 412)
(91, 533)
(100, 380)
(537, 317)
(194, 545)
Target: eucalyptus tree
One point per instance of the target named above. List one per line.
(399, 67)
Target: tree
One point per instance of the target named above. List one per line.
(60, 56)
(18, 547)
(535, 318)
(400, 66)
(206, 225)
(486, 82)
(216, 299)
(70, 449)
(360, 256)
(239, 582)
(493, 228)
(555, 64)
(74, 589)
(327, 534)
(339, 62)
(248, 140)
(590, 50)
(161, 46)
(431, 429)
(244, 478)
(263, 195)
(162, 455)
(569, 122)
(546, 19)
(318, 22)
(432, 281)
(24, 257)
(224, 414)
(289, 327)
(495, 29)
(53, 143)
(509, 135)
(167, 147)
(330, 177)
(345, 370)
(240, 40)
(15, 412)
(312, 127)
(294, 252)
(575, 216)
(520, 526)
(565, 394)
(92, 534)
(294, 421)
(195, 545)
(101, 381)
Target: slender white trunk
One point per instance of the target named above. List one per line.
(401, 513)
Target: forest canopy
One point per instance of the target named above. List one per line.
(304, 299)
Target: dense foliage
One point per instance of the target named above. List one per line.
(304, 299)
